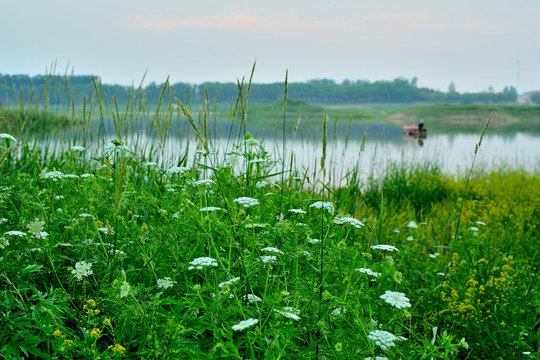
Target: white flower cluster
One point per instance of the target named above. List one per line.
(412, 225)
(246, 201)
(202, 262)
(272, 249)
(266, 259)
(348, 220)
(77, 148)
(385, 247)
(82, 269)
(369, 272)
(261, 184)
(7, 136)
(116, 147)
(396, 299)
(328, 206)
(165, 283)
(206, 182)
(178, 170)
(3, 242)
(384, 339)
(252, 142)
(209, 208)
(377, 358)
(289, 312)
(229, 282)
(36, 227)
(15, 233)
(244, 324)
(251, 298)
(297, 211)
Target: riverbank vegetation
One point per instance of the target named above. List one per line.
(115, 251)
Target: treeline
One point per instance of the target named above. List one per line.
(58, 89)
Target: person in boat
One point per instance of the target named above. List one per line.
(421, 126)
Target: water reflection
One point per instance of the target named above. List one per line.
(347, 148)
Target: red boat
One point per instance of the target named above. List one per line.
(413, 132)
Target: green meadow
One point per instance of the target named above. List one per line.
(113, 251)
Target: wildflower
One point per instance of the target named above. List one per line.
(116, 146)
(107, 231)
(67, 342)
(233, 160)
(251, 298)
(297, 211)
(244, 324)
(314, 241)
(246, 201)
(209, 208)
(289, 312)
(396, 299)
(348, 220)
(125, 289)
(202, 262)
(412, 225)
(433, 256)
(144, 227)
(57, 333)
(117, 348)
(272, 249)
(165, 283)
(82, 269)
(229, 282)
(384, 339)
(252, 142)
(474, 228)
(178, 170)
(261, 184)
(377, 358)
(481, 223)
(338, 311)
(91, 302)
(3, 242)
(107, 322)
(84, 215)
(396, 231)
(36, 227)
(267, 259)
(86, 175)
(206, 182)
(77, 148)
(328, 206)
(385, 247)
(95, 333)
(369, 272)
(7, 136)
(410, 238)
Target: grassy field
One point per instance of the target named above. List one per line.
(108, 254)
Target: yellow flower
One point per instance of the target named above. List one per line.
(99, 223)
(91, 302)
(68, 342)
(118, 349)
(95, 333)
(57, 333)
(144, 228)
(90, 199)
(107, 322)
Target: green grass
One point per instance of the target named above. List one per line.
(240, 256)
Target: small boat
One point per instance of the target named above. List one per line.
(412, 132)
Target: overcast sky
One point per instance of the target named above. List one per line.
(473, 43)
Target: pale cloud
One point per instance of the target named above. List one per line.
(269, 24)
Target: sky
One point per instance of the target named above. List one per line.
(476, 44)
